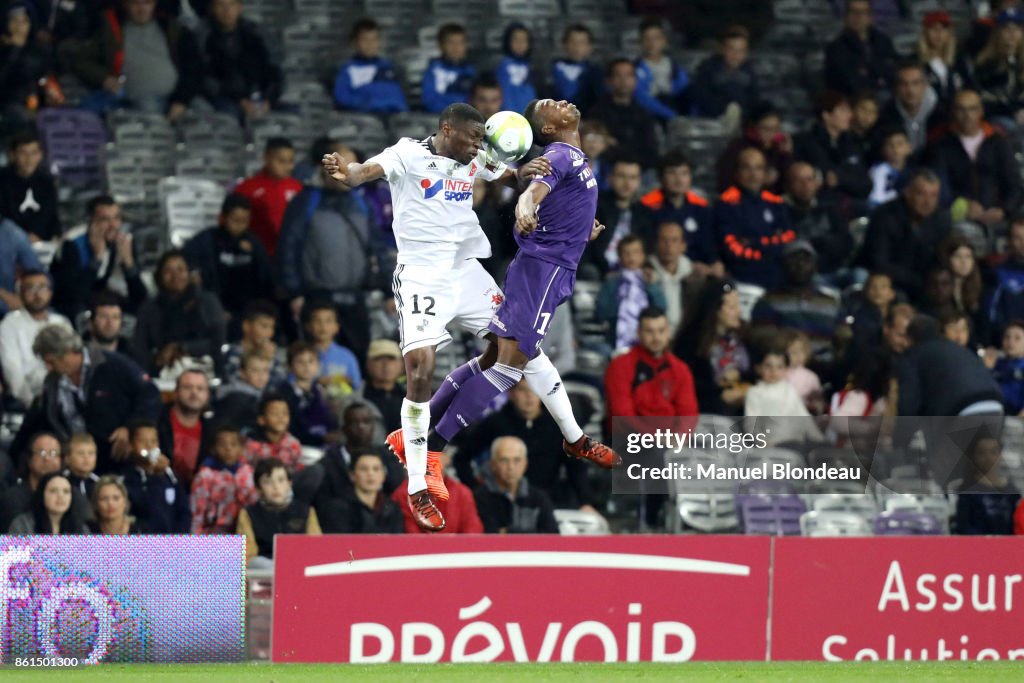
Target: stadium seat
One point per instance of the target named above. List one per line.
(907, 523)
(708, 512)
(412, 124)
(364, 132)
(188, 206)
(823, 524)
(863, 505)
(72, 139)
(281, 124)
(211, 129)
(749, 294)
(936, 505)
(581, 523)
(210, 163)
(774, 515)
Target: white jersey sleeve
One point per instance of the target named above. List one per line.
(392, 163)
(492, 172)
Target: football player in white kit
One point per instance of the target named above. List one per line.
(439, 281)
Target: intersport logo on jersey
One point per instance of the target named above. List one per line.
(425, 599)
(454, 190)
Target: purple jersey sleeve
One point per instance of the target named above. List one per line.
(561, 166)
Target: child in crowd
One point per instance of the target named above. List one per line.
(259, 321)
(223, 486)
(270, 190)
(367, 82)
(574, 77)
(596, 140)
(775, 397)
(238, 401)
(313, 422)
(660, 82)
(886, 175)
(805, 381)
(447, 78)
(157, 499)
(271, 439)
(1009, 370)
(339, 367)
(623, 297)
(514, 69)
(276, 512)
(80, 463)
(868, 308)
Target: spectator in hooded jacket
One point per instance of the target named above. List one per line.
(448, 78)
(513, 71)
(660, 82)
(861, 57)
(28, 193)
(270, 190)
(223, 486)
(139, 60)
(183, 320)
(239, 76)
(367, 81)
(574, 77)
(728, 77)
(230, 260)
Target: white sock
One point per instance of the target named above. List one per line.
(545, 381)
(415, 425)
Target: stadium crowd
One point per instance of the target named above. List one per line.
(863, 261)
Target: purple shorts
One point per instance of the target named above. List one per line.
(533, 290)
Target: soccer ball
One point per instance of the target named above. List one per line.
(508, 136)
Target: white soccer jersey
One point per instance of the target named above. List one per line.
(432, 195)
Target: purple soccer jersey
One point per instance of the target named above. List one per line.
(566, 216)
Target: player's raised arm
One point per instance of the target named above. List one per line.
(352, 174)
(526, 207)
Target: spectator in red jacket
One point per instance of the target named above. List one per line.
(270, 190)
(459, 510)
(650, 380)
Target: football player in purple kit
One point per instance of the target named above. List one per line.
(554, 222)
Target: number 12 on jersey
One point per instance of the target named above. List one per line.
(416, 305)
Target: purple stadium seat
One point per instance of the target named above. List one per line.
(73, 139)
(907, 523)
(775, 515)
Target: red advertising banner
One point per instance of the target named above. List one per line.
(911, 598)
(366, 599)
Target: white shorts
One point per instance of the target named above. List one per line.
(430, 300)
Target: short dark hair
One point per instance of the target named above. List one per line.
(140, 423)
(631, 238)
(672, 159)
(104, 299)
(530, 114)
(623, 158)
(271, 397)
(891, 131)
(486, 80)
(773, 349)
(315, 305)
(449, 29)
(923, 328)
(610, 69)
(577, 28)
(368, 453)
(298, 348)
(98, 201)
(364, 25)
(164, 258)
(33, 272)
(950, 315)
(650, 313)
(922, 173)
(225, 427)
(910, 64)
(22, 138)
(259, 308)
(233, 202)
(277, 143)
(828, 101)
(266, 467)
(459, 114)
(652, 22)
(733, 32)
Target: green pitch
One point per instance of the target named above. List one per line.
(585, 673)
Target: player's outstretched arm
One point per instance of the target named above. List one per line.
(352, 174)
(526, 207)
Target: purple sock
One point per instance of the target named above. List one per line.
(455, 380)
(469, 404)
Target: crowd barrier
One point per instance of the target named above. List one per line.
(369, 599)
